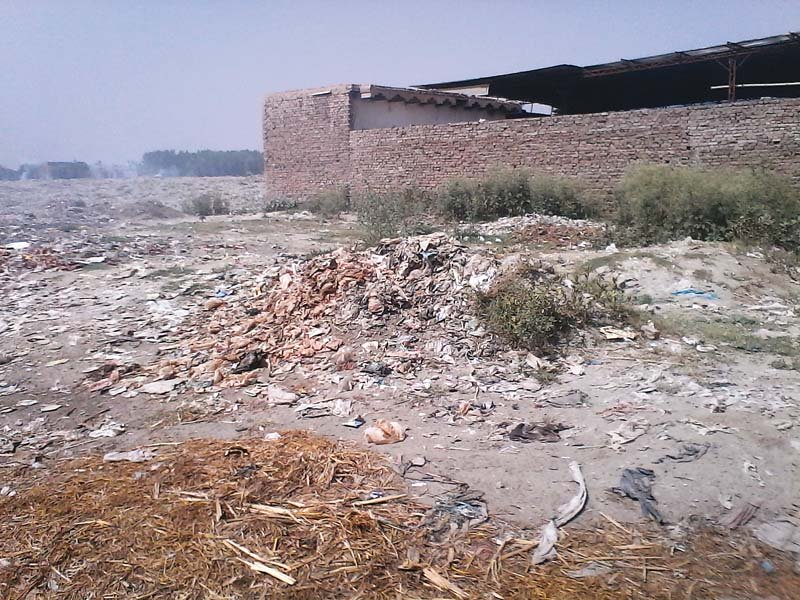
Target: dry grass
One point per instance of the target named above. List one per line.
(283, 519)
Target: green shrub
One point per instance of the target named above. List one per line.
(512, 192)
(392, 214)
(330, 203)
(206, 205)
(657, 204)
(560, 196)
(279, 203)
(502, 194)
(533, 309)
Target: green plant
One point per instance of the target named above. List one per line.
(207, 204)
(657, 203)
(391, 214)
(330, 203)
(278, 204)
(560, 196)
(512, 192)
(501, 194)
(534, 309)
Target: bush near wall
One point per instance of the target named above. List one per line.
(513, 192)
(656, 203)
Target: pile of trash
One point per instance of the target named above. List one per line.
(46, 251)
(415, 291)
(548, 230)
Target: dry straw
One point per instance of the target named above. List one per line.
(287, 519)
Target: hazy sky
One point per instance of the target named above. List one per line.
(110, 79)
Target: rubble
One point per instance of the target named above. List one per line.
(418, 286)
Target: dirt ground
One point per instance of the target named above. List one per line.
(112, 275)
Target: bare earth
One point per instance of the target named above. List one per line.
(128, 280)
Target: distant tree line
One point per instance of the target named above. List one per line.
(205, 163)
(47, 170)
(166, 163)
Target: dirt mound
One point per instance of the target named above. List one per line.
(148, 209)
(416, 289)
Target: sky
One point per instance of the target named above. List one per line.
(110, 79)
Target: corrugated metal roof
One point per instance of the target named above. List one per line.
(683, 77)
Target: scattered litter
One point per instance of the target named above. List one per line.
(782, 534)
(537, 364)
(50, 408)
(272, 436)
(537, 432)
(54, 363)
(688, 452)
(592, 569)
(696, 293)
(616, 334)
(25, 403)
(158, 388)
(767, 566)
(110, 429)
(354, 423)
(625, 433)
(650, 331)
(545, 549)
(637, 484)
(17, 246)
(455, 512)
(741, 516)
(572, 399)
(752, 470)
(569, 510)
(385, 432)
(707, 429)
(136, 456)
(705, 348)
(443, 583)
(278, 395)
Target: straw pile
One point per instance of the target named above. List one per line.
(298, 518)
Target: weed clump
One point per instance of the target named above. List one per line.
(278, 203)
(510, 193)
(657, 203)
(330, 203)
(390, 214)
(206, 205)
(535, 309)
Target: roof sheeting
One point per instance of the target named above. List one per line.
(681, 77)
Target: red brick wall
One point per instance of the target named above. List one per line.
(305, 153)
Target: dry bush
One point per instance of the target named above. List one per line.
(278, 203)
(392, 214)
(657, 203)
(329, 203)
(513, 192)
(206, 205)
(533, 308)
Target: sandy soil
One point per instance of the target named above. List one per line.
(720, 375)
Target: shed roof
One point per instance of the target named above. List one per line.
(681, 77)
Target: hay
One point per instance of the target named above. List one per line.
(286, 519)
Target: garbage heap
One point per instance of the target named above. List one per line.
(410, 297)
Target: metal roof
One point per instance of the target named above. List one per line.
(674, 78)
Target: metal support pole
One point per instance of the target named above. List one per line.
(732, 63)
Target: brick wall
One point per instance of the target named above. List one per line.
(306, 141)
(597, 148)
